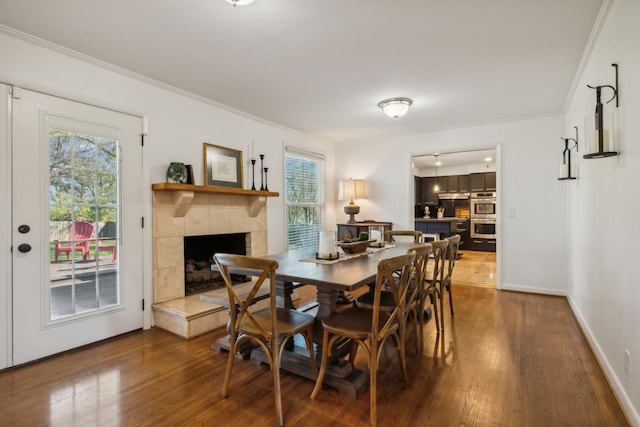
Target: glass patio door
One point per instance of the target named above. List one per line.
(77, 237)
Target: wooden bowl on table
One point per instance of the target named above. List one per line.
(355, 247)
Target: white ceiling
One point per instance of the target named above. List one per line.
(321, 66)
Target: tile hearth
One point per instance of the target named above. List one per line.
(205, 213)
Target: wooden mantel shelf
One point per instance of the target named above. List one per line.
(183, 195)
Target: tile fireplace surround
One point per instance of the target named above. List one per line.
(185, 210)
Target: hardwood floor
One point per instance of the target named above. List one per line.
(475, 268)
(507, 359)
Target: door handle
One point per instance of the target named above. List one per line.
(24, 229)
(24, 248)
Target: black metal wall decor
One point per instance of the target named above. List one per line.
(604, 138)
(566, 168)
(262, 188)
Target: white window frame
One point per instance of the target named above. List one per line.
(310, 240)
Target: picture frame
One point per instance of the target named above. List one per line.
(222, 166)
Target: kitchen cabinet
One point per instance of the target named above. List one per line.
(490, 181)
(452, 184)
(464, 183)
(349, 231)
(487, 245)
(429, 197)
(462, 228)
(483, 181)
(442, 184)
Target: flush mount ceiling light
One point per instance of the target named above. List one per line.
(395, 107)
(239, 2)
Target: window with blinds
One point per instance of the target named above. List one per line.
(304, 198)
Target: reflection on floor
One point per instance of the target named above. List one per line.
(475, 268)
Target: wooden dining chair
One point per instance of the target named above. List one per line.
(432, 282)
(372, 328)
(270, 328)
(414, 296)
(445, 283)
(389, 235)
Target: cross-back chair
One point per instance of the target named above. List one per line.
(270, 328)
(445, 283)
(389, 235)
(370, 329)
(431, 283)
(414, 295)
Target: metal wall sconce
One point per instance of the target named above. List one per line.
(566, 169)
(602, 142)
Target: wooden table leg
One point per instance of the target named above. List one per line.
(341, 374)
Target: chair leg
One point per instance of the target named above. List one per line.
(275, 368)
(434, 302)
(323, 365)
(442, 290)
(373, 381)
(403, 360)
(450, 298)
(308, 337)
(227, 375)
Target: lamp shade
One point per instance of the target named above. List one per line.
(395, 107)
(352, 189)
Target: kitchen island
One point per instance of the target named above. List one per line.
(444, 227)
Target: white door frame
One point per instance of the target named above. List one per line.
(6, 313)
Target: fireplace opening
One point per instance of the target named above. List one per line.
(198, 258)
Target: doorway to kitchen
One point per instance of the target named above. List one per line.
(456, 193)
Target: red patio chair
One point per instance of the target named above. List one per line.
(79, 239)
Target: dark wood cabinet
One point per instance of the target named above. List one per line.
(490, 181)
(426, 188)
(453, 184)
(487, 245)
(417, 190)
(477, 181)
(442, 184)
(349, 231)
(464, 183)
(483, 181)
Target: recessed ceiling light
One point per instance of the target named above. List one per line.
(487, 159)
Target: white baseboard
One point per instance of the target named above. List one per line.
(533, 290)
(614, 381)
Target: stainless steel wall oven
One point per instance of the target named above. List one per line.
(483, 228)
(483, 205)
(483, 215)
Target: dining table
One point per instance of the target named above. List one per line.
(348, 273)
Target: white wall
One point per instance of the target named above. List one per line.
(604, 210)
(531, 246)
(177, 125)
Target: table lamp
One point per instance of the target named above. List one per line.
(349, 190)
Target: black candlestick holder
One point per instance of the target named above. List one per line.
(266, 187)
(253, 174)
(261, 176)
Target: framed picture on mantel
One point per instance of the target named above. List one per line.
(222, 166)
